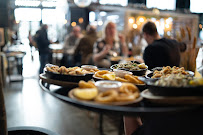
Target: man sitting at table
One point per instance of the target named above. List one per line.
(160, 51)
(70, 43)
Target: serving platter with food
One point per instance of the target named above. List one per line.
(176, 85)
(57, 82)
(119, 75)
(165, 71)
(71, 74)
(135, 67)
(106, 92)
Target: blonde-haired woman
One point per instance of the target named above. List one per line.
(110, 45)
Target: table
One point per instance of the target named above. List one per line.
(58, 51)
(155, 115)
(15, 54)
(18, 58)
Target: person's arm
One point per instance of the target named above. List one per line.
(66, 42)
(80, 45)
(123, 45)
(131, 124)
(97, 56)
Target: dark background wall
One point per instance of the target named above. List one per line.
(3, 13)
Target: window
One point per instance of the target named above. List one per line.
(27, 14)
(114, 2)
(161, 4)
(196, 6)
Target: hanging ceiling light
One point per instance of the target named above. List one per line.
(82, 3)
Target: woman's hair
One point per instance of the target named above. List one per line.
(150, 29)
(104, 30)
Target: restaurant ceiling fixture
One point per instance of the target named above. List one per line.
(36, 3)
(73, 24)
(31, 3)
(49, 3)
(131, 20)
(80, 20)
(82, 3)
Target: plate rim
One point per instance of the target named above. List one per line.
(71, 95)
(172, 99)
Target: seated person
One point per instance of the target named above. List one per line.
(70, 43)
(85, 46)
(109, 45)
(160, 51)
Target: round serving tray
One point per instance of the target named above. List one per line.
(57, 82)
(172, 100)
(138, 110)
(71, 95)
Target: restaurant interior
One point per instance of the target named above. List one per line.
(60, 74)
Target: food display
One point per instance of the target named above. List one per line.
(179, 80)
(176, 85)
(107, 75)
(176, 80)
(131, 65)
(71, 74)
(166, 71)
(69, 71)
(87, 91)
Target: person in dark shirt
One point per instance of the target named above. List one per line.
(160, 51)
(42, 41)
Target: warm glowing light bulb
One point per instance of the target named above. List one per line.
(17, 21)
(131, 20)
(157, 23)
(80, 20)
(167, 26)
(65, 21)
(100, 23)
(200, 26)
(135, 26)
(141, 19)
(73, 24)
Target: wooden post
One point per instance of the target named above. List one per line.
(3, 123)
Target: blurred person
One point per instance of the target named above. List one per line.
(73, 38)
(160, 51)
(31, 43)
(43, 42)
(110, 45)
(85, 46)
(70, 43)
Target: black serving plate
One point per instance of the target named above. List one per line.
(175, 91)
(140, 72)
(160, 68)
(69, 78)
(171, 90)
